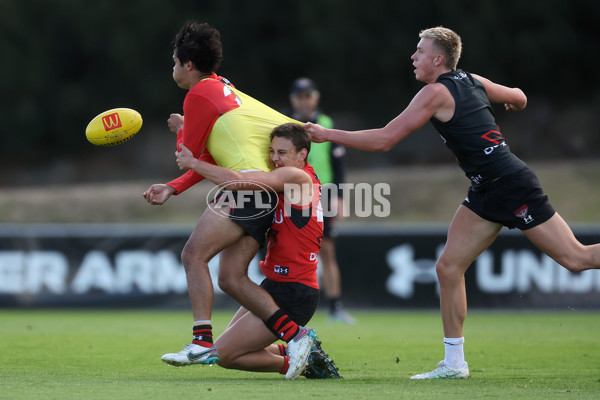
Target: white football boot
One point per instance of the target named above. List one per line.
(298, 350)
(341, 316)
(445, 372)
(192, 354)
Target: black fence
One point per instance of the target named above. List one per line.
(116, 265)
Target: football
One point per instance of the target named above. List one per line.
(113, 127)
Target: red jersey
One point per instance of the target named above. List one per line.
(202, 106)
(295, 239)
(228, 127)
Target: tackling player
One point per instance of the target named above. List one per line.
(328, 159)
(291, 262)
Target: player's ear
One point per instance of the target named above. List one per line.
(302, 154)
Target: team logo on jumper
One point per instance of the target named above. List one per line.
(496, 138)
(281, 270)
(493, 136)
(111, 121)
(523, 212)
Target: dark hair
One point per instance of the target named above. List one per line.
(296, 133)
(200, 44)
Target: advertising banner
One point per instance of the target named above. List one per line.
(113, 265)
(396, 267)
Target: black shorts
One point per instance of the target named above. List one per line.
(297, 300)
(515, 201)
(252, 210)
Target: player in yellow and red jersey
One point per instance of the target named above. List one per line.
(225, 127)
(231, 126)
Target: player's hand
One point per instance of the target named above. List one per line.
(175, 122)
(317, 132)
(185, 158)
(158, 194)
(513, 107)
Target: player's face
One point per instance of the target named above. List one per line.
(179, 73)
(305, 104)
(424, 61)
(284, 154)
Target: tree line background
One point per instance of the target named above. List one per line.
(65, 61)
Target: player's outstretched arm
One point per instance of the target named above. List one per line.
(426, 104)
(235, 180)
(513, 98)
(186, 161)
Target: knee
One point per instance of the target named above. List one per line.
(192, 258)
(225, 361)
(576, 260)
(575, 268)
(573, 265)
(187, 257)
(447, 272)
(228, 355)
(441, 268)
(225, 358)
(229, 284)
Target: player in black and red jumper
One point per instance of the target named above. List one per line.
(504, 190)
(291, 262)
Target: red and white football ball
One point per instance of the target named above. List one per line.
(113, 127)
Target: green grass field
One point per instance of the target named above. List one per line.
(91, 354)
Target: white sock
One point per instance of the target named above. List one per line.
(455, 355)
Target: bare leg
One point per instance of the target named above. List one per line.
(233, 279)
(468, 236)
(247, 345)
(331, 271)
(238, 314)
(212, 234)
(555, 238)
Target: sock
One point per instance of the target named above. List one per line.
(203, 335)
(282, 326)
(455, 356)
(334, 304)
(286, 365)
(282, 349)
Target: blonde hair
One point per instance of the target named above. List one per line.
(447, 41)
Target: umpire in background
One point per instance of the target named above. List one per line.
(328, 160)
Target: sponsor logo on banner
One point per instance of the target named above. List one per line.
(126, 272)
(92, 264)
(408, 271)
(519, 271)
